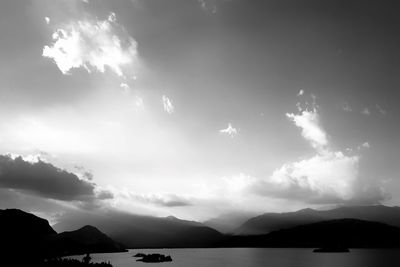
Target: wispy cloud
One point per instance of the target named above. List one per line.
(211, 5)
(202, 4)
(366, 111)
(346, 107)
(364, 145)
(139, 102)
(167, 104)
(125, 87)
(380, 109)
(230, 131)
(311, 130)
(92, 44)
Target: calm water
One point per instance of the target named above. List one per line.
(257, 257)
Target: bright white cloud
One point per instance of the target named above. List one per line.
(31, 158)
(300, 93)
(331, 175)
(230, 131)
(47, 19)
(327, 177)
(92, 44)
(366, 111)
(167, 104)
(310, 126)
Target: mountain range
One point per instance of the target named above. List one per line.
(137, 231)
(358, 226)
(268, 222)
(353, 233)
(28, 238)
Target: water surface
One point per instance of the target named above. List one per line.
(257, 257)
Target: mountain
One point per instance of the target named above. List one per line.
(19, 230)
(268, 222)
(26, 238)
(351, 233)
(87, 239)
(137, 231)
(228, 222)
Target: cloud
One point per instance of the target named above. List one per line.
(125, 87)
(202, 4)
(167, 104)
(327, 177)
(311, 129)
(43, 179)
(211, 5)
(104, 194)
(208, 5)
(92, 44)
(347, 108)
(366, 111)
(230, 131)
(47, 19)
(168, 200)
(364, 145)
(380, 109)
(300, 93)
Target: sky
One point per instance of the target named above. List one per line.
(197, 108)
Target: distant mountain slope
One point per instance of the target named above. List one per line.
(17, 223)
(26, 238)
(19, 230)
(344, 232)
(145, 231)
(274, 221)
(227, 223)
(87, 239)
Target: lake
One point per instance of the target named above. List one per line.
(257, 257)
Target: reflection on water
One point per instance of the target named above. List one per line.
(257, 257)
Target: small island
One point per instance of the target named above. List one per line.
(155, 257)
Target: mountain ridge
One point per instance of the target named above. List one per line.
(268, 222)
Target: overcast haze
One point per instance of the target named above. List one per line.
(196, 108)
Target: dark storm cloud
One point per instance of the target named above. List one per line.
(43, 179)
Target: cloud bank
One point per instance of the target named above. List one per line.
(45, 180)
(169, 200)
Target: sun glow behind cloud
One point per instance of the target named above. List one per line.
(148, 138)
